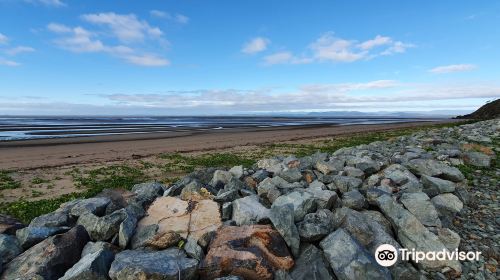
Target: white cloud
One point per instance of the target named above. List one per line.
(255, 45)
(453, 68)
(285, 57)
(179, 18)
(58, 28)
(397, 47)
(80, 40)
(127, 28)
(6, 62)
(329, 48)
(159, 14)
(3, 39)
(369, 95)
(147, 60)
(19, 49)
(51, 3)
(375, 42)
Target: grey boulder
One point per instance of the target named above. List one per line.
(170, 264)
(248, 211)
(348, 258)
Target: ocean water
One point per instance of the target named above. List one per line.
(22, 128)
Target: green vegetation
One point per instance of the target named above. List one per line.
(38, 180)
(181, 163)
(93, 182)
(7, 182)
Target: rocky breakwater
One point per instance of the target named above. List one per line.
(320, 217)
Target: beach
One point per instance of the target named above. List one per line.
(55, 152)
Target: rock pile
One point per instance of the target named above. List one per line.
(321, 217)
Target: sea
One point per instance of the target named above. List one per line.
(30, 127)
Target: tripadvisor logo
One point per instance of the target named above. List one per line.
(387, 255)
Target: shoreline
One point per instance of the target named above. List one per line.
(43, 153)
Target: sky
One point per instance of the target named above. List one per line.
(167, 57)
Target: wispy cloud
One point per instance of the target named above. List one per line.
(7, 62)
(453, 68)
(51, 3)
(255, 45)
(329, 48)
(368, 95)
(127, 28)
(11, 51)
(18, 50)
(179, 18)
(3, 39)
(130, 32)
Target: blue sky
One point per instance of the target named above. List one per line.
(223, 57)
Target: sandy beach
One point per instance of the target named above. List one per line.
(45, 153)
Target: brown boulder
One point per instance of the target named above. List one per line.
(251, 252)
(50, 258)
(187, 218)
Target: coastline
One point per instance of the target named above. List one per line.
(43, 153)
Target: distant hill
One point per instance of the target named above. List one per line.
(489, 110)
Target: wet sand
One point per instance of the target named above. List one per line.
(45, 153)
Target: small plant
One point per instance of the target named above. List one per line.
(38, 180)
(7, 182)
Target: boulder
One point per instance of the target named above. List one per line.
(291, 175)
(354, 223)
(435, 168)
(449, 238)
(127, 228)
(102, 228)
(170, 264)
(50, 258)
(316, 226)
(270, 165)
(399, 174)
(193, 250)
(237, 171)
(434, 186)
(92, 247)
(9, 248)
(248, 210)
(311, 264)
(282, 217)
(354, 200)
(419, 204)
(448, 205)
(345, 183)
(354, 172)
(172, 214)
(477, 159)
(221, 178)
(328, 167)
(251, 252)
(324, 199)
(52, 220)
(91, 266)
(303, 203)
(94, 205)
(348, 258)
(413, 235)
(367, 165)
(30, 236)
(147, 192)
(9, 225)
